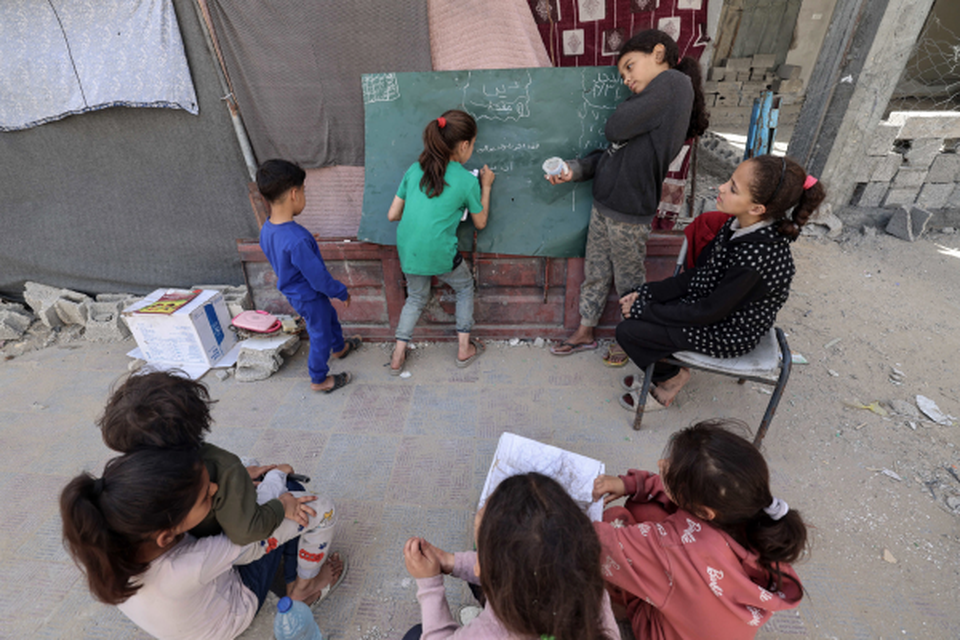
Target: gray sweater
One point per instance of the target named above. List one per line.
(646, 132)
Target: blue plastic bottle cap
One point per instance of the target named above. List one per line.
(284, 605)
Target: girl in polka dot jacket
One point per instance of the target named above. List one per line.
(702, 550)
(724, 305)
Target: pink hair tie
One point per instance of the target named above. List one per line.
(442, 122)
(809, 182)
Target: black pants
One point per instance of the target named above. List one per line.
(646, 342)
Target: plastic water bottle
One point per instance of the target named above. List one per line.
(294, 621)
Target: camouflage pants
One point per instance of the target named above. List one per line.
(615, 251)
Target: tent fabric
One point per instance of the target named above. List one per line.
(295, 67)
(484, 34)
(60, 57)
(128, 200)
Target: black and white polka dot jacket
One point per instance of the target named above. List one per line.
(731, 298)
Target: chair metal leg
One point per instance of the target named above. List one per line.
(642, 396)
(786, 363)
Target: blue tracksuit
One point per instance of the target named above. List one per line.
(303, 278)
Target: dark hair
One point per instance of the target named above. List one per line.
(276, 177)
(540, 561)
(439, 144)
(645, 42)
(106, 521)
(158, 409)
(710, 466)
(778, 185)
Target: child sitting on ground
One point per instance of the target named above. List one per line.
(127, 530)
(537, 561)
(702, 550)
(163, 410)
(302, 275)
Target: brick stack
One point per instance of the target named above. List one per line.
(731, 88)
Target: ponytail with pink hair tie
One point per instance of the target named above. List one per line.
(809, 182)
(442, 122)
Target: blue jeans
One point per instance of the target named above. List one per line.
(258, 576)
(418, 292)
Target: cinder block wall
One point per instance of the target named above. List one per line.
(912, 159)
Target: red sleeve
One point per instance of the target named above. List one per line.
(634, 560)
(643, 486)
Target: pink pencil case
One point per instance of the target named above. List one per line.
(257, 321)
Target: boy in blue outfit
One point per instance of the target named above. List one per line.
(301, 274)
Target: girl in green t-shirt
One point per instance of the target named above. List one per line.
(429, 205)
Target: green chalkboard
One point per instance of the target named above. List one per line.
(524, 116)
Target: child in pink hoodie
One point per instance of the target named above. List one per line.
(537, 560)
(702, 550)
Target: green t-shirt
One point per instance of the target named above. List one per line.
(427, 235)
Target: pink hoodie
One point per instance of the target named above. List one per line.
(680, 577)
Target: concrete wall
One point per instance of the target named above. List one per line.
(811, 28)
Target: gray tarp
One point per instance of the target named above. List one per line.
(127, 199)
(60, 57)
(295, 67)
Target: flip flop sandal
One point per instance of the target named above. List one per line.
(622, 357)
(574, 348)
(353, 343)
(340, 380)
(463, 364)
(630, 400)
(631, 382)
(330, 587)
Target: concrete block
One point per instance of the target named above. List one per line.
(104, 322)
(900, 226)
(763, 61)
(881, 142)
(927, 124)
(738, 64)
(953, 202)
(260, 364)
(865, 168)
(788, 86)
(909, 177)
(934, 196)
(897, 197)
(945, 168)
(873, 194)
(14, 321)
(716, 73)
(824, 222)
(789, 71)
(922, 152)
(887, 167)
(72, 307)
(743, 75)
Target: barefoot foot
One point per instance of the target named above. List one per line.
(667, 390)
(307, 591)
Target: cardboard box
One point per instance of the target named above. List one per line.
(197, 334)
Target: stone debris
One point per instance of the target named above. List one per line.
(932, 411)
(14, 320)
(42, 299)
(259, 364)
(908, 223)
(223, 374)
(888, 557)
(897, 376)
(905, 409)
(105, 323)
(514, 342)
(539, 343)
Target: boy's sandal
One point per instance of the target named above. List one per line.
(340, 380)
(559, 350)
(352, 343)
(630, 400)
(616, 356)
(330, 587)
(463, 364)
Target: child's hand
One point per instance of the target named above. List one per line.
(258, 471)
(445, 558)
(287, 469)
(296, 509)
(626, 302)
(608, 487)
(486, 177)
(565, 176)
(346, 303)
(420, 564)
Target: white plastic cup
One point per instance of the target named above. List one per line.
(555, 166)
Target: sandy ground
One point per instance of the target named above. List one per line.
(877, 318)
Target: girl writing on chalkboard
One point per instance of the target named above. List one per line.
(429, 204)
(537, 561)
(646, 132)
